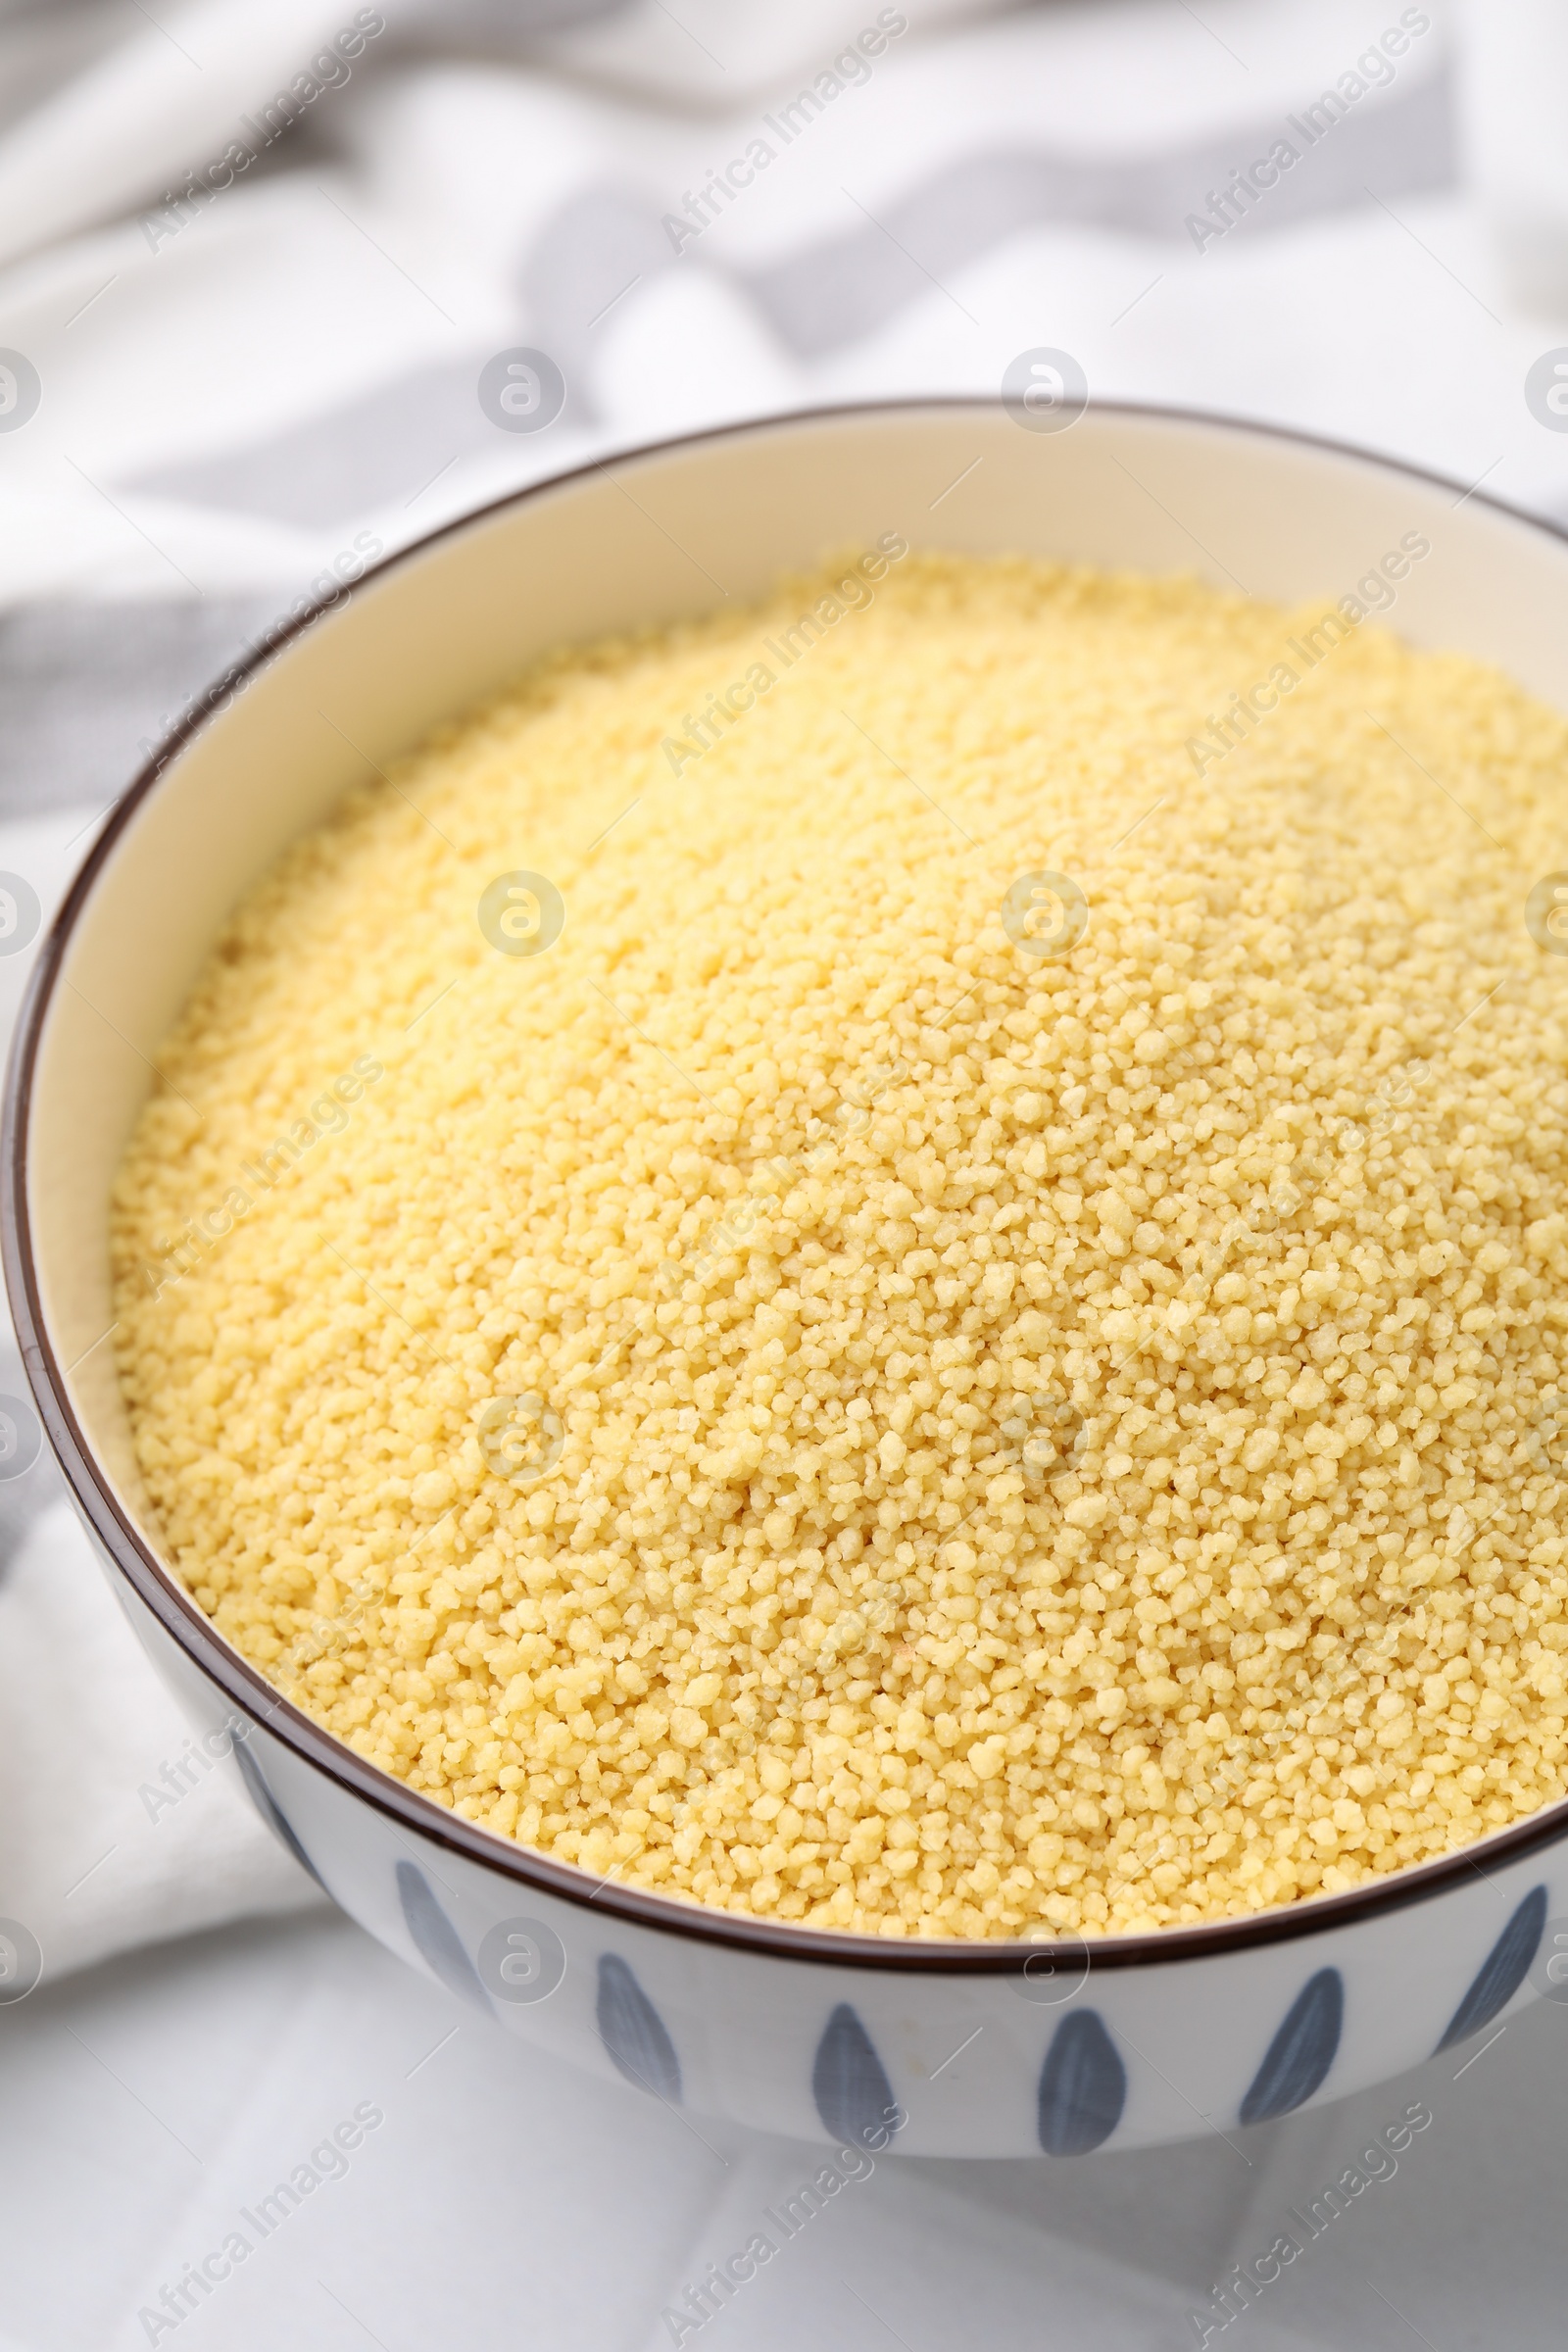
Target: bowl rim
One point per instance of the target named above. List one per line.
(243, 1685)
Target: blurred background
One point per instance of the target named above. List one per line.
(285, 284)
(255, 258)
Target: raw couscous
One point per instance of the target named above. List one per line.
(907, 1273)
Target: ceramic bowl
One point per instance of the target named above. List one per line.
(955, 2049)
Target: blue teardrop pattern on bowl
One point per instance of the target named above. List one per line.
(436, 1939)
(1299, 2056)
(1083, 2086)
(1502, 1972)
(634, 2033)
(267, 1805)
(850, 2085)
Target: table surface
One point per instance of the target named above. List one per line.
(150, 2104)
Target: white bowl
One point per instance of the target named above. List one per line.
(1127, 2041)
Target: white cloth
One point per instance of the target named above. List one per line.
(123, 1834)
(110, 1832)
(226, 404)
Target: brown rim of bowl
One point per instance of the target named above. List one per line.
(240, 1682)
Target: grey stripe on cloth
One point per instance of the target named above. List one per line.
(820, 299)
(384, 447)
(25, 1498)
(85, 688)
(41, 48)
(387, 446)
(379, 450)
(594, 248)
(505, 24)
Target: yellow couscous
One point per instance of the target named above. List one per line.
(906, 1273)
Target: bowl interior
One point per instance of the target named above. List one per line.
(672, 532)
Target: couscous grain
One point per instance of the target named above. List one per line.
(849, 1386)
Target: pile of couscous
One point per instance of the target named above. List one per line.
(906, 1274)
